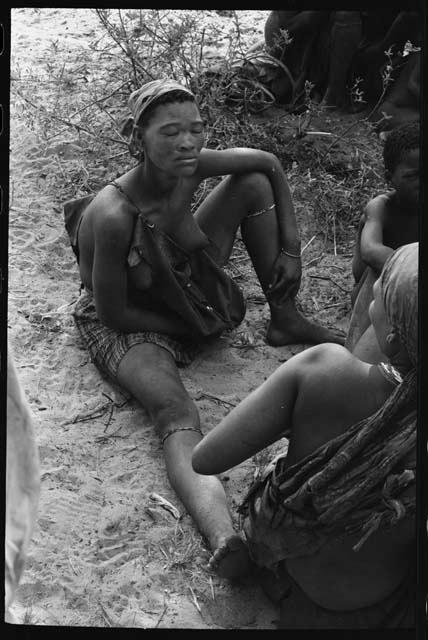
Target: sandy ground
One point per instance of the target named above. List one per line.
(103, 553)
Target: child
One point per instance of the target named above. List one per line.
(320, 518)
(389, 221)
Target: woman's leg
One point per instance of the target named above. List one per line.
(230, 205)
(151, 375)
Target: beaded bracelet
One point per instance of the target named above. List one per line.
(291, 255)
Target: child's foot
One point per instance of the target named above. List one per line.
(291, 327)
(231, 558)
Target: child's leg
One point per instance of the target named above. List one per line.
(247, 200)
(367, 348)
(151, 375)
(360, 320)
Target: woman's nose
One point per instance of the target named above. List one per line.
(187, 141)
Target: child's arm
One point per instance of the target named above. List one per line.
(358, 264)
(373, 251)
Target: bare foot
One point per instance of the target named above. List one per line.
(231, 558)
(290, 327)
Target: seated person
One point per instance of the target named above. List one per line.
(154, 289)
(402, 101)
(383, 30)
(389, 221)
(319, 49)
(332, 520)
(22, 485)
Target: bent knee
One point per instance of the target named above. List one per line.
(254, 185)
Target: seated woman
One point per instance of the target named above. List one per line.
(333, 518)
(154, 288)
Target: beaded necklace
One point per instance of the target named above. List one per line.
(390, 373)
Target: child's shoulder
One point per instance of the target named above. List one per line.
(380, 204)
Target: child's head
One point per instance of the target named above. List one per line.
(401, 160)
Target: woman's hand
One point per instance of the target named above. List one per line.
(285, 279)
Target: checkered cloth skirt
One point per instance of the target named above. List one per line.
(108, 346)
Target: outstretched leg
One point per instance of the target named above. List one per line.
(151, 375)
(233, 203)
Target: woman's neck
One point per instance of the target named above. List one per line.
(156, 182)
(401, 362)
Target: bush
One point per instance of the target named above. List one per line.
(84, 102)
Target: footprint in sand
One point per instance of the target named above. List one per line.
(70, 511)
(22, 239)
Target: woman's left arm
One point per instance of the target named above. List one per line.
(244, 160)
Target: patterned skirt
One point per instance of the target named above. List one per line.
(108, 346)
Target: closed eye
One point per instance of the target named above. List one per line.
(413, 173)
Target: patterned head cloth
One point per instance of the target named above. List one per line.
(399, 286)
(141, 99)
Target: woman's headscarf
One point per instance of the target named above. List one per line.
(399, 286)
(141, 99)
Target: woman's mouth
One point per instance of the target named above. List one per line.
(188, 161)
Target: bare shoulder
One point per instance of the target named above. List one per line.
(330, 362)
(336, 385)
(327, 351)
(111, 215)
(378, 206)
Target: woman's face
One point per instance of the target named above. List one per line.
(174, 137)
(378, 318)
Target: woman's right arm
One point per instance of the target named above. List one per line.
(258, 421)
(280, 406)
(112, 232)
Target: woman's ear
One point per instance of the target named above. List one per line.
(136, 144)
(138, 133)
(126, 126)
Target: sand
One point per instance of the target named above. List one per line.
(103, 553)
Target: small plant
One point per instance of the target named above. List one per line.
(387, 78)
(356, 93)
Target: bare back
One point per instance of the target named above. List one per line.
(331, 397)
